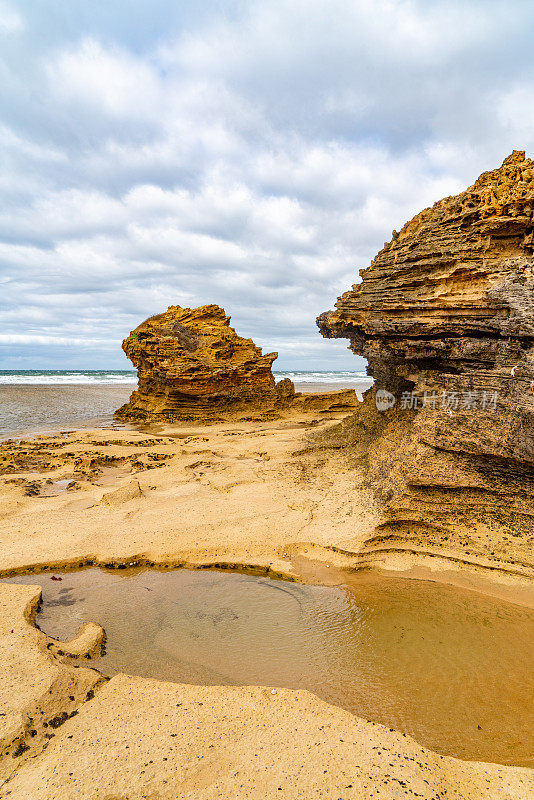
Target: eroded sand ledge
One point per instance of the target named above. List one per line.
(266, 496)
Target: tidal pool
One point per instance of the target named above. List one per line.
(450, 667)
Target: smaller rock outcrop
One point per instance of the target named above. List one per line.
(192, 365)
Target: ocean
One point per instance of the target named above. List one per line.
(33, 401)
(57, 377)
(118, 377)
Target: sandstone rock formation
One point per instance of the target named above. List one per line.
(193, 366)
(445, 317)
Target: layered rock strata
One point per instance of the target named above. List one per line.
(193, 366)
(445, 317)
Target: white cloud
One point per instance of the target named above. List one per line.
(31, 339)
(108, 81)
(256, 159)
(10, 20)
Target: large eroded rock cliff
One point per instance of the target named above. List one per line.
(445, 317)
(193, 366)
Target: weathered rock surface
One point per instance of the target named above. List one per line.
(193, 365)
(445, 317)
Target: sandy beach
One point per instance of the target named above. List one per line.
(266, 400)
(277, 498)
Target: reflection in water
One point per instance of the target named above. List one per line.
(448, 666)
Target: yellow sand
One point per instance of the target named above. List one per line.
(242, 494)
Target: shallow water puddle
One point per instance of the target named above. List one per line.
(452, 668)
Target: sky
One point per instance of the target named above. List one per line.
(256, 155)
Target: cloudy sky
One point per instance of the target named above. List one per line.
(250, 154)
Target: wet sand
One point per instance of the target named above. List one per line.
(27, 409)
